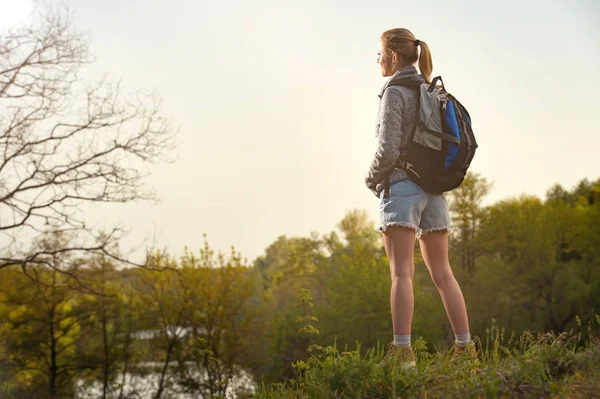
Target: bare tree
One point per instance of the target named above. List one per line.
(66, 142)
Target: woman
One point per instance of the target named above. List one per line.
(408, 212)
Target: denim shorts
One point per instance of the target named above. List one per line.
(409, 206)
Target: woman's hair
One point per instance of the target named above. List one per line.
(403, 42)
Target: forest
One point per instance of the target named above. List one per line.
(206, 320)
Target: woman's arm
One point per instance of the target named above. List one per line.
(388, 138)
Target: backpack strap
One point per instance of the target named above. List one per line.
(434, 83)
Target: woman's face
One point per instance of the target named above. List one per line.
(387, 60)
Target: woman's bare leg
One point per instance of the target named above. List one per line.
(399, 243)
(434, 247)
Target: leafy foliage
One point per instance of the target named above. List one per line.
(311, 316)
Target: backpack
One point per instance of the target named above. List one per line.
(442, 145)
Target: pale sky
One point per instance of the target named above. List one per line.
(276, 102)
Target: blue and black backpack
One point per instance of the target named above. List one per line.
(443, 144)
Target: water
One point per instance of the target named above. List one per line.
(145, 385)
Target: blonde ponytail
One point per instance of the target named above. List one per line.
(425, 63)
(403, 42)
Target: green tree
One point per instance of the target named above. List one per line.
(43, 323)
(108, 346)
(467, 215)
(163, 305)
(543, 273)
(220, 318)
(355, 305)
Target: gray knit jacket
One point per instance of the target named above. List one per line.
(396, 120)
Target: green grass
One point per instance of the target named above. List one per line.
(532, 366)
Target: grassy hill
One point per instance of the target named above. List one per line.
(533, 366)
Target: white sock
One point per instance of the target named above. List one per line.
(402, 340)
(462, 340)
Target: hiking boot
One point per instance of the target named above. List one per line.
(459, 353)
(402, 356)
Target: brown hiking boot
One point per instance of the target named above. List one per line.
(402, 356)
(459, 353)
